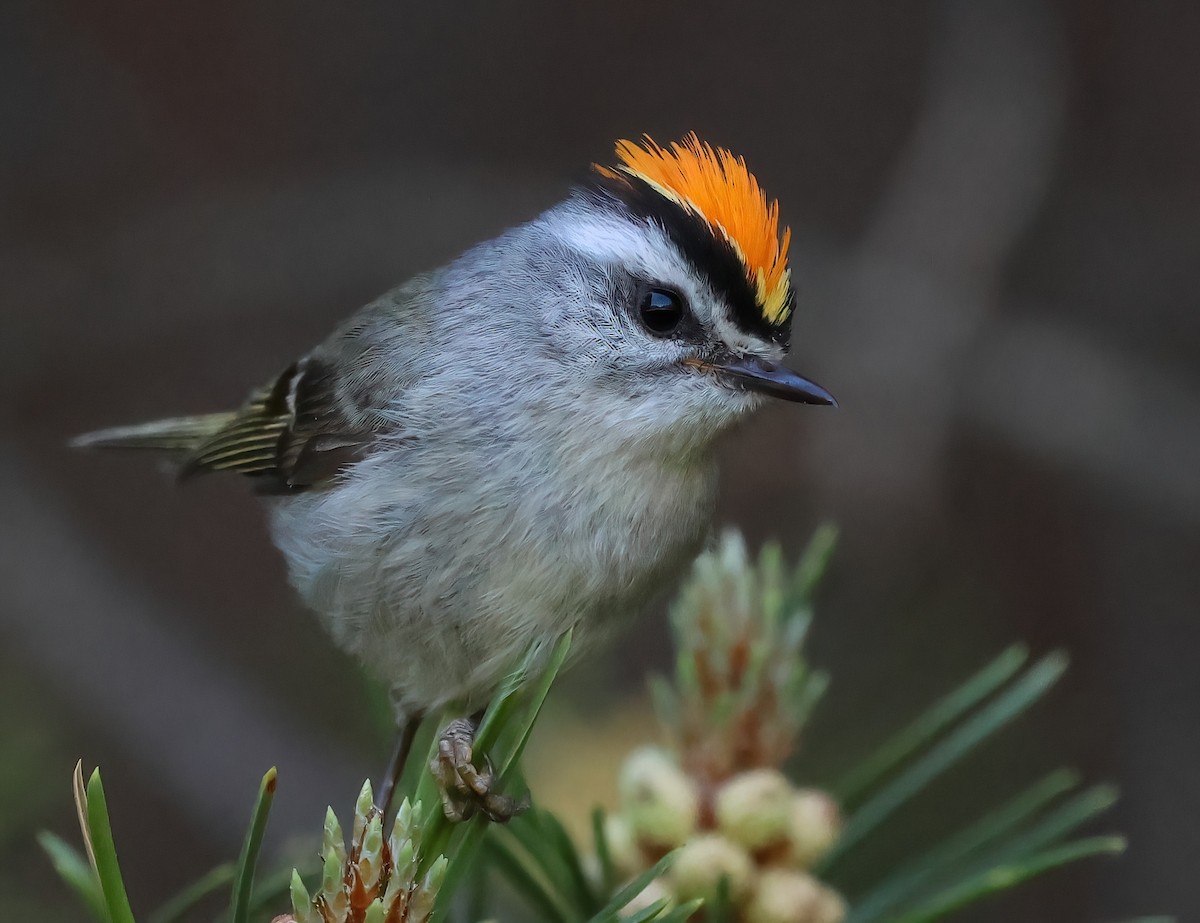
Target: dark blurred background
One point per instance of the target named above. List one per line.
(997, 221)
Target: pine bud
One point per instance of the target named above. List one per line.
(659, 801)
(331, 836)
(362, 810)
(627, 858)
(702, 864)
(370, 852)
(753, 808)
(832, 908)
(813, 827)
(420, 905)
(785, 896)
(302, 906)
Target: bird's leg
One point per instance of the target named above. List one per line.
(408, 732)
(465, 788)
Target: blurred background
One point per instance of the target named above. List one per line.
(997, 217)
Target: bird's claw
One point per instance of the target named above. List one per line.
(465, 788)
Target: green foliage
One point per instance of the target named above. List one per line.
(186, 900)
(770, 611)
(1002, 877)
(501, 737)
(104, 853)
(865, 775)
(243, 881)
(77, 872)
(945, 753)
(1028, 836)
(742, 689)
(728, 654)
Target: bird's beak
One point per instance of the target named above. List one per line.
(754, 374)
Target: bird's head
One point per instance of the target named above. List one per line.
(688, 295)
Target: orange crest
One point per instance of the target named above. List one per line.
(718, 187)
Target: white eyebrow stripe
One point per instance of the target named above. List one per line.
(646, 249)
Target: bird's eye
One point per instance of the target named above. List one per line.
(661, 311)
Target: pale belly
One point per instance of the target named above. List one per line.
(441, 599)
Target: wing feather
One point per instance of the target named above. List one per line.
(298, 432)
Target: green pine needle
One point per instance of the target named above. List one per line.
(107, 868)
(980, 727)
(649, 913)
(536, 699)
(529, 878)
(270, 890)
(815, 560)
(74, 869)
(1054, 826)
(542, 835)
(1002, 878)
(609, 912)
(608, 871)
(502, 737)
(681, 914)
(863, 778)
(194, 893)
(243, 885)
(944, 859)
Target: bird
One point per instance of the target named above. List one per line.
(520, 442)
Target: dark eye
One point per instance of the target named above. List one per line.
(661, 311)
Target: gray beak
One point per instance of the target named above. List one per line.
(754, 374)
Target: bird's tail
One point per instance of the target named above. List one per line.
(176, 435)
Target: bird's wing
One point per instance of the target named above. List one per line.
(296, 433)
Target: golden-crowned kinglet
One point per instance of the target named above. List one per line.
(519, 441)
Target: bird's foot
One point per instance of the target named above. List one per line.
(466, 789)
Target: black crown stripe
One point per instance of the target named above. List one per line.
(704, 247)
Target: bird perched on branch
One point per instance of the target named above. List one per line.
(521, 441)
